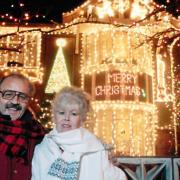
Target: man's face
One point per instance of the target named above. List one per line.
(14, 97)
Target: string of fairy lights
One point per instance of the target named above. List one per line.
(13, 15)
(89, 64)
(29, 12)
(26, 13)
(130, 125)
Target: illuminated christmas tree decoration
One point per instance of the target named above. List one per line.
(59, 76)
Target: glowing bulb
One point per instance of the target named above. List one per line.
(61, 42)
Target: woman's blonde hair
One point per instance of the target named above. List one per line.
(72, 95)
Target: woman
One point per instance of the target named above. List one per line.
(69, 151)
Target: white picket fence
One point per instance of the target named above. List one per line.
(150, 168)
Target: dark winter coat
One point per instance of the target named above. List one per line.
(13, 168)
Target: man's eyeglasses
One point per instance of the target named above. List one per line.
(9, 95)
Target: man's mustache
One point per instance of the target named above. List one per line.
(17, 107)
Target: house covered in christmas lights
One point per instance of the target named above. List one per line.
(111, 49)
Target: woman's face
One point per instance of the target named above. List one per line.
(67, 117)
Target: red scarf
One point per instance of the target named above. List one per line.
(15, 135)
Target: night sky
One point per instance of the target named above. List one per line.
(40, 11)
(45, 11)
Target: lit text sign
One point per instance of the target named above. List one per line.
(119, 83)
(116, 85)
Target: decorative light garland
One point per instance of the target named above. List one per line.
(129, 125)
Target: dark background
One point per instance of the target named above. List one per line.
(48, 11)
(40, 11)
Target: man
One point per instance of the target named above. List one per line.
(19, 131)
